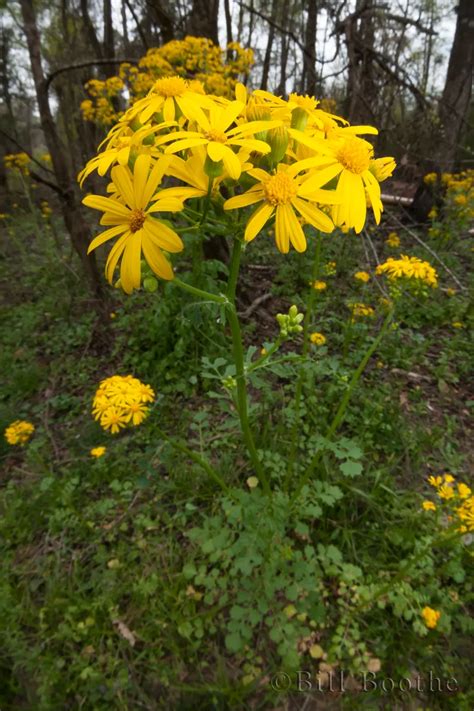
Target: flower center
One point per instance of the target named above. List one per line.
(215, 135)
(170, 86)
(279, 189)
(137, 218)
(354, 154)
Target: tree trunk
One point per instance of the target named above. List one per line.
(268, 52)
(360, 37)
(228, 21)
(454, 106)
(109, 47)
(309, 56)
(203, 19)
(73, 218)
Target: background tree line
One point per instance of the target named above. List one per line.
(379, 62)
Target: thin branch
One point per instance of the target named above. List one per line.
(83, 65)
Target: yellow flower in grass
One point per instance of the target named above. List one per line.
(362, 276)
(98, 452)
(120, 401)
(430, 617)
(360, 310)
(435, 481)
(428, 506)
(19, 432)
(282, 193)
(215, 133)
(319, 285)
(317, 339)
(393, 240)
(465, 513)
(132, 220)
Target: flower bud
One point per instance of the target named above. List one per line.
(277, 138)
(150, 284)
(299, 119)
(212, 168)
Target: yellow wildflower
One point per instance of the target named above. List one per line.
(120, 401)
(429, 506)
(317, 339)
(362, 276)
(98, 452)
(19, 432)
(430, 617)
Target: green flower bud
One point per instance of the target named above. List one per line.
(277, 138)
(212, 168)
(150, 284)
(299, 119)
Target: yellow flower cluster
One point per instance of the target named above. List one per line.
(194, 58)
(119, 401)
(430, 617)
(98, 452)
(319, 285)
(457, 500)
(317, 339)
(409, 268)
(19, 432)
(360, 310)
(300, 165)
(17, 162)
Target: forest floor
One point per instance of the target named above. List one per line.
(113, 594)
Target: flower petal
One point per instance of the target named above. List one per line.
(162, 235)
(108, 234)
(257, 221)
(98, 202)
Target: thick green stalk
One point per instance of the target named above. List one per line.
(341, 411)
(301, 373)
(205, 295)
(242, 406)
(238, 353)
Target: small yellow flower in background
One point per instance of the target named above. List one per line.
(463, 490)
(317, 339)
(448, 478)
(451, 292)
(330, 268)
(393, 240)
(121, 400)
(435, 480)
(362, 276)
(429, 506)
(360, 310)
(263, 351)
(252, 482)
(433, 214)
(319, 285)
(98, 452)
(430, 178)
(19, 432)
(430, 617)
(112, 314)
(380, 364)
(457, 324)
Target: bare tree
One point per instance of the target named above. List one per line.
(73, 218)
(455, 101)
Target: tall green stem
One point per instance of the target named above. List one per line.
(341, 411)
(301, 375)
(238, 353)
